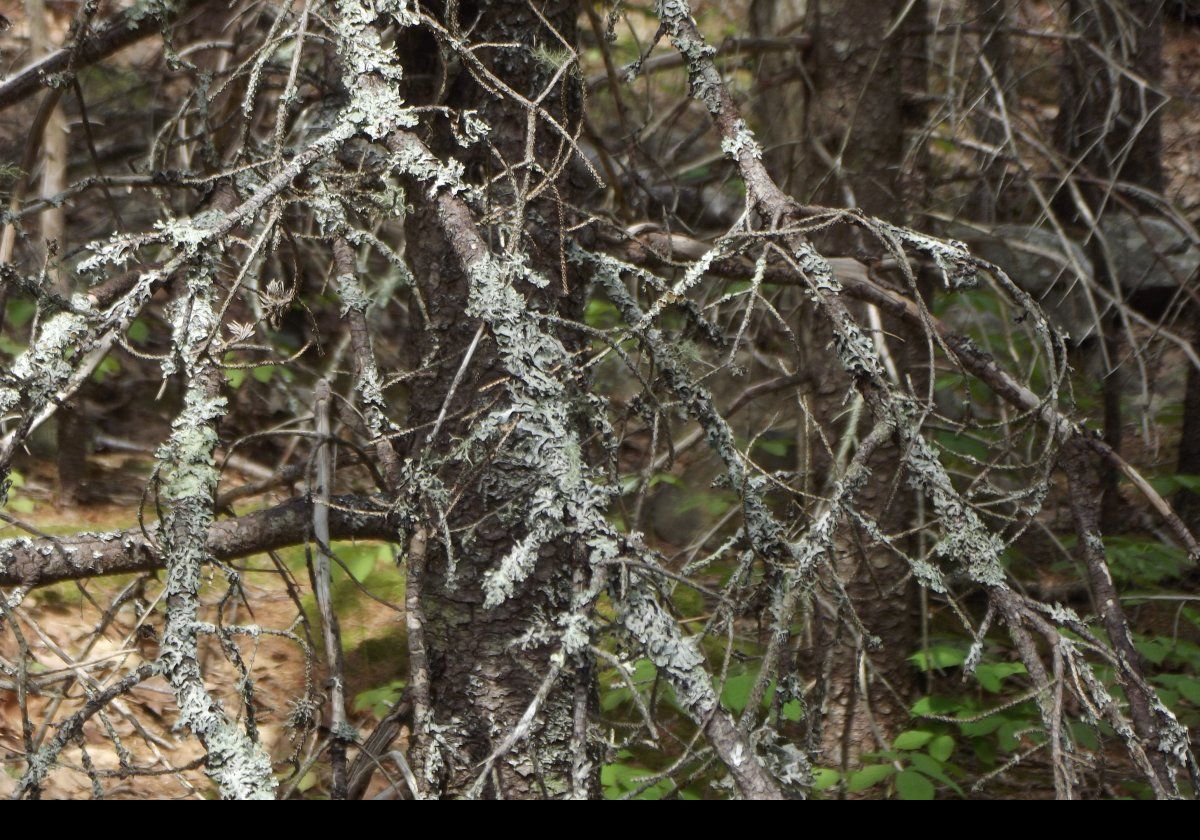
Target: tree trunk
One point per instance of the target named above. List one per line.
(1107, 120)
(1187, 502)
(483, 676)
(1109, 130)
(993, 17)
(72, 427)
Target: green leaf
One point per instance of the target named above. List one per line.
(1085, 735)
(936, 706)
(11, 347)
(984, 726)
(914, 739)
(601, 315)
(824, 778)
(618, 693)
(1168, 484)
(108, 367)
(736, 691)
(990, 675)
(911, 785)
(939, 657)
(1187, 687)
(1010, 734)
(379, 700)
(1188, 482)
(666, 478)
(1156, 649)
(932, 768)
(613, 698)
(985, 751)
(20, 312)
(942, 747)
(139, 331)
(963, 445)
(773, 446)
(655, 791)
(950, 381)
(623, 778)
(869, 776)
(1190, 689)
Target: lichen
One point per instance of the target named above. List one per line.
(238, 764)
(45, 366)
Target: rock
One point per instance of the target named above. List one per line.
(1039, 261)
(1148, 252)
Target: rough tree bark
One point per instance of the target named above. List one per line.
(1110, 118)
(1188, 502)
(481, 677)
(510, 544)
(72, 426)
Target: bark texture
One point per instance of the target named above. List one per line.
(483, 677)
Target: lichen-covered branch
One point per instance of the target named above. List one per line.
(239, 765)
(33, 562)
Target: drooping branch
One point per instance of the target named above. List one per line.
(965, 540)
(47, 372)
(129, 27)
(1165, 740)
(854, 278)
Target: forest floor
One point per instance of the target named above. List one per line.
(59, 626)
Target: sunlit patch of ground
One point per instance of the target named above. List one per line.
(71, 639)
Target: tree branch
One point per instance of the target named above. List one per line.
(41, 562)
(127, 28)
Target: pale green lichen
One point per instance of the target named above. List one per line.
(543, 454)
(353, 296)
(239, 765)
(763, 530)
(376, 107)
(741, 141)
(45, 366)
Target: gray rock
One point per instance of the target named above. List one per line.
(1145, 253)
(1148, 252)
(1044, 265)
